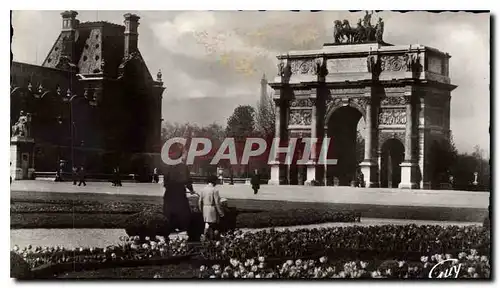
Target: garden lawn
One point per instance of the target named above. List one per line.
(86, 210)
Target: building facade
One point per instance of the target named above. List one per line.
(402, 93)
(93, 101)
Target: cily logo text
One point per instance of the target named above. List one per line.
(446, 269)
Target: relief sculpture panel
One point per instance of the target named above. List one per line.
(392, 117)
(393, 63)
(300, 117)
(306, 66)
(301, 103)
(347, 65)
(393, 101)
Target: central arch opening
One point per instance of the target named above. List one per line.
(344, 146)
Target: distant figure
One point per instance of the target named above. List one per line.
(74, 174)
(361, 179)
(117, 181)
(255, 181)
(58, 176)
(156, 176)
(81, 175)
(210, 205)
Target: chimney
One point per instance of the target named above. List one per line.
(131, 35)
(69, 25)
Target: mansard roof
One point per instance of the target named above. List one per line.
(99, 48)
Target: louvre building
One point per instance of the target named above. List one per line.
(93, 101)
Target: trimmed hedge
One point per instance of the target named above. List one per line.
(152, 223)
(19, 269)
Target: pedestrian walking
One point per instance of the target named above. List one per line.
(255, 182)
(156, 176)
(210, 205)
(81, 175)
(117, 180)
(74, 174)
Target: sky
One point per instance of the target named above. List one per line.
(212, 61)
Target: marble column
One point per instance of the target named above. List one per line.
(409, 166)
(369, 166)
(275, 165)
(311, 165)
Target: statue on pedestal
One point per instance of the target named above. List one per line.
(21, 128)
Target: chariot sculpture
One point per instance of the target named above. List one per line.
(362, 33)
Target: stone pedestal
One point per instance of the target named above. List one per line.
(370, 176)
(22, 158)
(311, 173)
(408, 175)
(275, 174)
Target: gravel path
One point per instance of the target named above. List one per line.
(73, 238)
(320, 194)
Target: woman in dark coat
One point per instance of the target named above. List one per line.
(175, 202)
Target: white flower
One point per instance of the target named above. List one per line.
(342, 274)
(216, 267)
(261, 259)
(323, 259)
(225, 275)
(289, 262)
(251, 275)
(254, 268)
(261, 265)
(212, 276)
(484, 258)
(257, 276)
(236, 274)
(202, 268)
(145, 246)
(475, 275)
(375, 274)
(388, 271)
(363, 264)
(424, 259)
(16, 248)
(147, 238)
(153, 243)
(113, 255)
(462, 255)
(298, 262)
(251, 262)
(473, 252)
(157, 276)
(401, 263)
(234, 262)
(217, 244)
(448, 256)
(471, 270)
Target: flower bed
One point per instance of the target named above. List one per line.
(471, 265)
(131, 252)
(352, 252)
(386, 239)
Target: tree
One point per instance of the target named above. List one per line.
(266, 117)
(242, 123)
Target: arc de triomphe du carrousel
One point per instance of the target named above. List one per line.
(401, 92)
